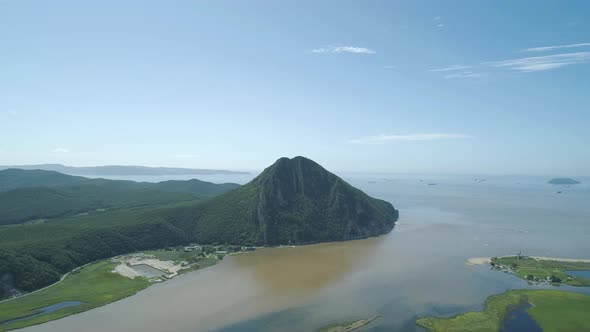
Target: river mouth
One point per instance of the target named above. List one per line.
(43, 311)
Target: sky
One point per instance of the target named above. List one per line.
(478, 87)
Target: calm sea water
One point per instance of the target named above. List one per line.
(418, 269)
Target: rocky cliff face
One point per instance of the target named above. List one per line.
(293, 201)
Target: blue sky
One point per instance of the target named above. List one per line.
(395, 86)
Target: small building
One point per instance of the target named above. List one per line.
(193, 248)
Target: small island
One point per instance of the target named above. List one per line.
(563, 181)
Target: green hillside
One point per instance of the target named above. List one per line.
(17, 178)
(49, 195)
(293, 201)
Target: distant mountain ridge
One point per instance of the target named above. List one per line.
(116, 170)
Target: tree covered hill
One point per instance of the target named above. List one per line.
(294, 201)
(37, 194)
(17, 178)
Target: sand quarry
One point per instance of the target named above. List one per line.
(129, 266)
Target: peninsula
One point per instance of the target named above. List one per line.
(541, 270)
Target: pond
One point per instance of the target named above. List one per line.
(518, 320)
(147, 270)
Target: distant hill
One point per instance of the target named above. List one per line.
(563, 181)
(293, 201)
(121, 170)
(18, 178)
(27, 195)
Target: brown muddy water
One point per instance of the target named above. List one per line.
(418, 269)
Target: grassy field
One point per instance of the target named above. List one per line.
(532, 269)
(348, 326)
(94, 285)
(553, 310)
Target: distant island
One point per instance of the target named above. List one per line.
(115, 170)
(563, 181)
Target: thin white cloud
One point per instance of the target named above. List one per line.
(383, 139)
(556, 47)
(344, 49)
(437, 18)
(390, 67)
(465, 74)
(440, 25)
(452, 67)
(60, 150)
(542, 63)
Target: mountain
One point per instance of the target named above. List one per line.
(562, 181)
(27, 195)
(122, 170)
(293, 201)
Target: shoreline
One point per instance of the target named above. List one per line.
(487, 260)
(90, 300)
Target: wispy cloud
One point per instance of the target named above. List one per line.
(60, 150)
(440, 25)
(465, 74)
(390, 67)
(383, 139)
(344, 49)
(452, 67)
(542, 63)
(556, 47)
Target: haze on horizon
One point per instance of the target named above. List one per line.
(356, 86)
